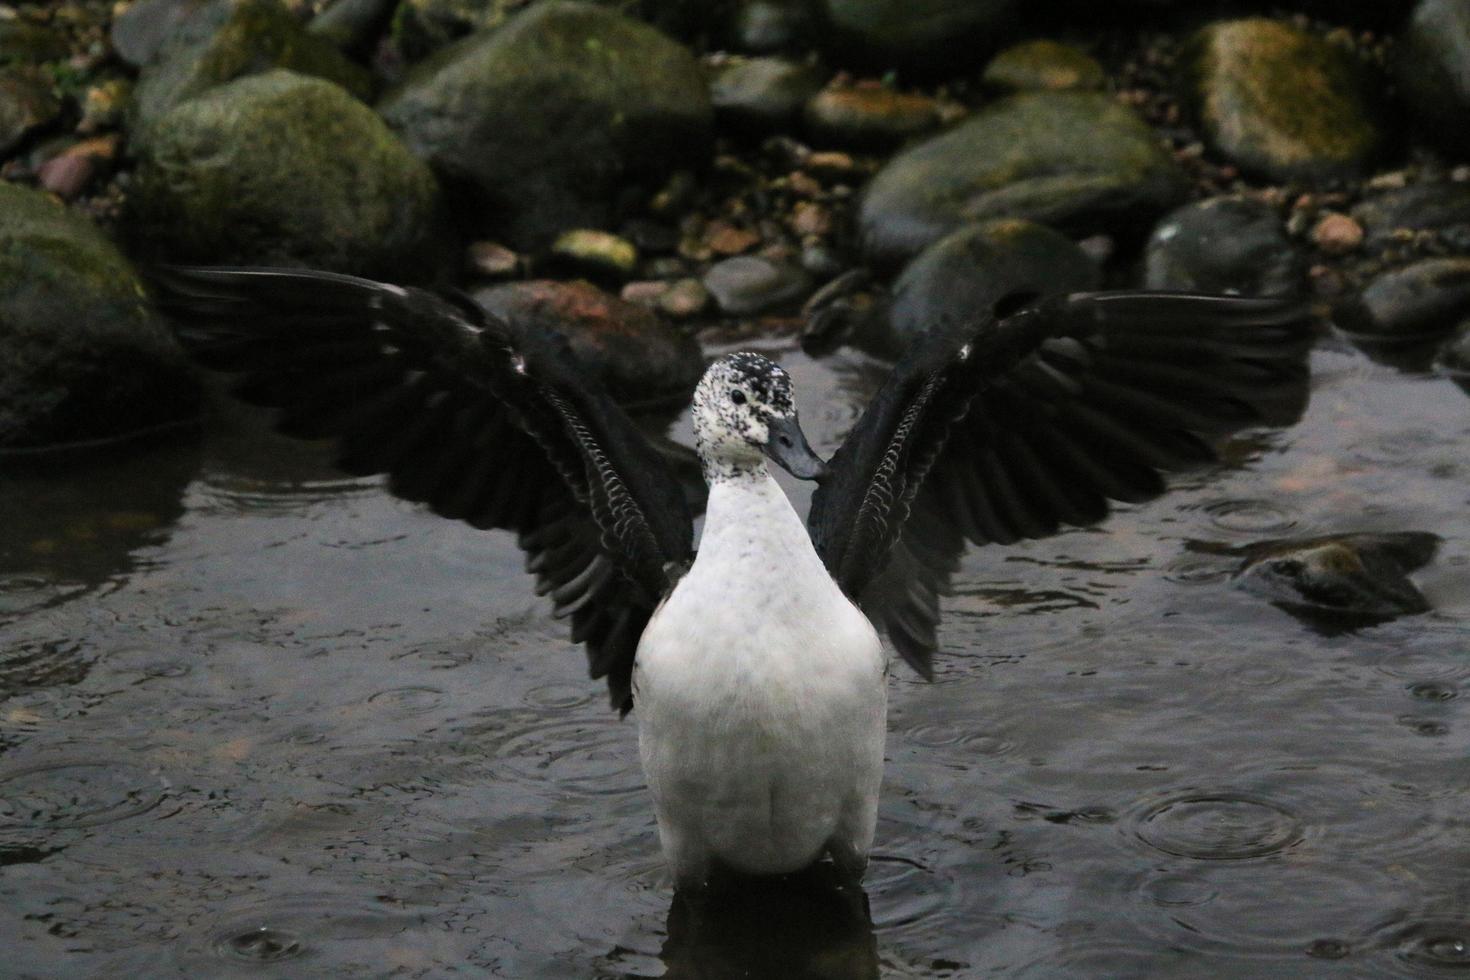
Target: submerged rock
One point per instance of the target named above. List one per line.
(331, 187)
(1354, 575)
(82, 355)
(1433, 71)
(1284, 103)
(1043, 65)
(1233, 245)
(639, 357)
(1075, 160)
(923, 35)
(1416, 304)
(230, 39)
(542, 123)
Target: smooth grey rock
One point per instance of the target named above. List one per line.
(1078, 161)
(1441, 207)
(82, 355)
(921, 35)
(540, 124)
(1420, 302)
(761, 95)
(1233, 245)
(331, 187)
(749, 284)
(1433, 70)
(1356, 575)
(1282, 102)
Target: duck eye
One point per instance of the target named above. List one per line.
(737, 396)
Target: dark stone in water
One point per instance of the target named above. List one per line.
(1356, 575)
(423, 26)
(919, 35)
(639, 357)
(1282, 102)
(760, 95)
(1416, 304)
(1433, 71)
(140, 31)
(1079, 161)
(1232, 245)
(1442, 207)
(749, 284)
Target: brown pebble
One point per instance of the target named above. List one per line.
(684, 299)
(830, 163)
(726, 239)
(803, 184)
(645, 292)
(1337, 234)
(810, 219)
(492, 259)
(66, 175)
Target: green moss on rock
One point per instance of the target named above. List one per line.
(1043, 66)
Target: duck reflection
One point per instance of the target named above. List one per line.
(806, 926)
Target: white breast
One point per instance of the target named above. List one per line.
(759, 689)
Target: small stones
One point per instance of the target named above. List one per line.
(1282, 102)
(750, 284)
(869, 116)
(1234, 245)
(1043, 65)
(596, 253)
(68, 173)
(1356, 575)
(764, 26)
(1337, 234)
(722, 238)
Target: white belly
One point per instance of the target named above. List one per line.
(761, 700)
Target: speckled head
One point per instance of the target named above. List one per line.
(744, 412)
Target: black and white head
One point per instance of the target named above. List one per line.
(744, 412)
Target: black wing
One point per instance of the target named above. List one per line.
(1022, 425)
(483, 422)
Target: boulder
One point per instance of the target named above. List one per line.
(539, 125)
(1079, 161)
(1284, 103)
(281, 169)
(82, 355)
(1234, 245)
(1417, 304)
(1433, 69)
(920, 35)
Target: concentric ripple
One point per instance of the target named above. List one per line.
(1432, 944)
(76, 794)
(581, 755)
(1247, 516)
(1217, 826)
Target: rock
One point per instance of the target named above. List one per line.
(1043, 66)
(683, 299)
(869, 117)
(1284, 103)
(1433, 71)
(541, 123)
(69, 172)
(492, 260)
(965, 276)
(1416, 304)
(1233, 245)
(1337, 234)
(921, 35)
(353, 25)
(82, 355)
(750, 284)
(27, 104)
(105, 104)
(1354, 575)
(423, 26)
(140, 31)
(1075, 160)
(766, 26)
(762, 95)
(636, 355)
(330, 188)
(1440, 207)
(595, 253)
(25, 43)
(229, 39)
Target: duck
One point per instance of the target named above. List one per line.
(754, 665)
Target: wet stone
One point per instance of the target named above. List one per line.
(684, 299)
(1442, 207)
(595, 253)
(759, 95)
(1043, 65)
(1433, 70)
(751, 284)
(26, 105)
(1282, 102)
(922, 35)
(1076, 160)
(140, 31)
(1453, 358)
(1337, 234)
(1419, 302)
(492, 260)
(1233, 245)
(1358, 575)
(765, 26)
(869, 117)
(639, 357)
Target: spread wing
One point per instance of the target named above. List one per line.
(482, 422)
(1038, 420)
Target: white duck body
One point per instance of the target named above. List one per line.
(761, 698)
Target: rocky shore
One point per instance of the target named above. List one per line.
(647, 173)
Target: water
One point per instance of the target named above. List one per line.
(257, 719)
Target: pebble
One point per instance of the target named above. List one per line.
(1442, 207)
(1337, 234)
(1417, 303)
(869, 117)
(1043, 65)
(757, 95)
(683, 299)
(596, 253)
(726, 239)
(751, 284)
(492, 260)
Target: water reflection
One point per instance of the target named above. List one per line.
(807, 926)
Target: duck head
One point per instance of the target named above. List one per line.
(743, 413)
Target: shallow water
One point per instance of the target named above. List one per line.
(257, 719)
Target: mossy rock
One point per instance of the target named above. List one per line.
(280, 169)
(229, 39)
(82, 356)
(1043, 66)
(1079, 161)
(918, 35)
(1284, 103)
(542, 123)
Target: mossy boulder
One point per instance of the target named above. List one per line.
(1043, 65)
(283, 169)
(920, 35)
(229, 39)
(82, 356)
(1076, 160)
(1284, 103)
(540, 125)
(1433, 69)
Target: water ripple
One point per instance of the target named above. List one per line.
(63, 795)
(1216, 826)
